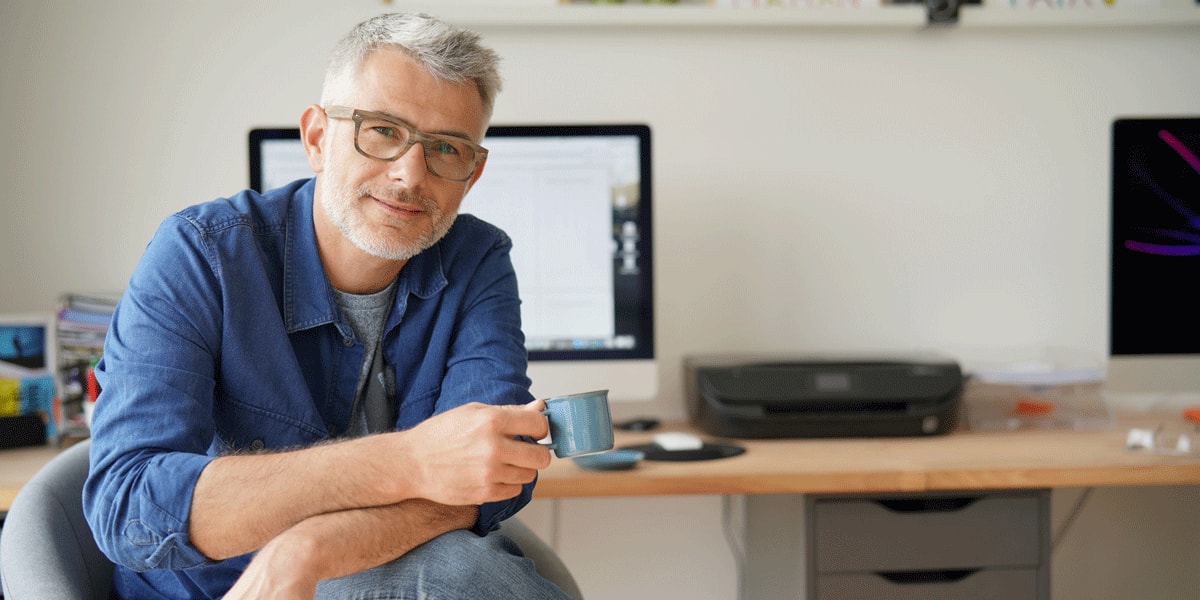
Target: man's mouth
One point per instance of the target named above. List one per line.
(398, 207)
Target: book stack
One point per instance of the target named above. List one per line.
(81, 326)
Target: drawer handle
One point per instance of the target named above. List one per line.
(919, 577)
(911, 505)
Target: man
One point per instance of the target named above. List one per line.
(321, 389)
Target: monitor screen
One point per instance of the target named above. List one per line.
(1155, 240)
(1155, 236)
(576, 201)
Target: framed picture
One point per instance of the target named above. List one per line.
(26, 345)
(26, 380)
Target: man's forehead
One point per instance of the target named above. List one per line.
(391, 82)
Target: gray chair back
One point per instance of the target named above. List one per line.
(46, 549)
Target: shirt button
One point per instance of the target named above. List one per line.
(257, 445)
(347, 341)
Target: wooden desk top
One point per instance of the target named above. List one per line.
(17, 465)
(959, 461)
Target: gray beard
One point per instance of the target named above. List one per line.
(338, 202)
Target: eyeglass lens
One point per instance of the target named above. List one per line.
(444, 156)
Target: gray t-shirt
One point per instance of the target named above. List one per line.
(374, 400)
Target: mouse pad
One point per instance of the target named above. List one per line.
(705, 452)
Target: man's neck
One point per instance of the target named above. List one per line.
(359, 275)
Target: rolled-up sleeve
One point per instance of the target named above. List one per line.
(152, 425)
(492, 513)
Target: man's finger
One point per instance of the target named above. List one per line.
(523, 420)
(527, 455)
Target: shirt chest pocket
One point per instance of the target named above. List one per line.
(249, 427)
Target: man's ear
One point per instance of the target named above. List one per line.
(313, 125)
(475, 177)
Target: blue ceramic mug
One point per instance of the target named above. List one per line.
(579, 423)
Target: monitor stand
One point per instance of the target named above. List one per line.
(1152, 382)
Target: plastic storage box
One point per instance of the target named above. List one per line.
(1045, 391)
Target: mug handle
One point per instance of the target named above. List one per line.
(549, 445)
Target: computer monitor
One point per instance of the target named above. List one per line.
(576, 201)
(1154, 313)
(276, 158)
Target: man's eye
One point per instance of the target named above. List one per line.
(444, 147)
(386, 131)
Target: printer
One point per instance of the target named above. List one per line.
(778, 396)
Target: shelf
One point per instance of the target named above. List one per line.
(1173, 13)
(602, 16)
(1079, 17)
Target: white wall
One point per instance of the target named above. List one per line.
(817, 189)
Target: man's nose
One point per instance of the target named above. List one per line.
(410, 167)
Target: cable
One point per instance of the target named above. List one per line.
(1070, 520)
(736, 545)
(554, 525)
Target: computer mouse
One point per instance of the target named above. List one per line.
(673, 441)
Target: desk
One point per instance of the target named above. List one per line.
(17, 465)
(961, 460)
(784, 479)
(773, 473)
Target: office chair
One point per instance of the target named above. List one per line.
(47, 551)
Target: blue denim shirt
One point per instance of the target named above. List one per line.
(229, 337)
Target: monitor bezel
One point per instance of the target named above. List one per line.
(258, 136)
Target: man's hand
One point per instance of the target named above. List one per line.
(282, 570)
(469, 455)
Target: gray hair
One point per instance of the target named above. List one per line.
(447, 52)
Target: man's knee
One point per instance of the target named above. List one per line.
(458, 564)
(462, 554)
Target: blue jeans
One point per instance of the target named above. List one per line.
(454, 565)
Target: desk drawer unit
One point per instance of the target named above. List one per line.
(983, 584)
(930, 546)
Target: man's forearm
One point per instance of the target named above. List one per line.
(355, 540)
(241, 502)
(467, 456)
(338, 544)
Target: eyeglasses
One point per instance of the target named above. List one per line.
(386, 138)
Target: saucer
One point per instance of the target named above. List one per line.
(613, 460)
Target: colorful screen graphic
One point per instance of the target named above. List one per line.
(1155, 307)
